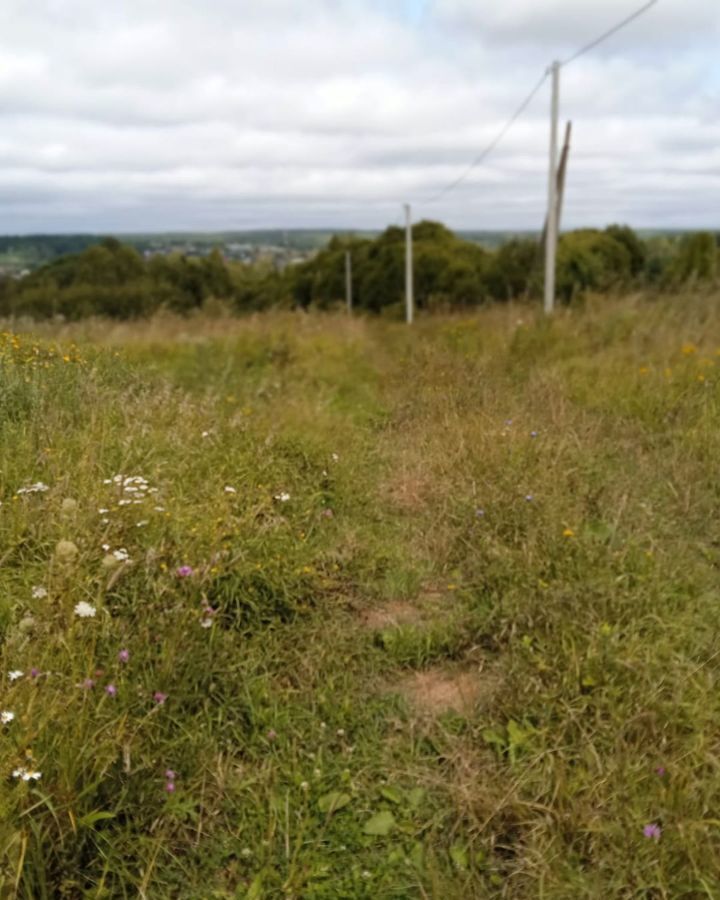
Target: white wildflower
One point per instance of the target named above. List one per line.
(39, 592)
(15, 674)
(124, 502)
(335, 457)
(121, 555)
(142, 524)
(205, 434)
(37, 488)
(27, 774)
(230, 490)
(85, 610)
(6, 716)
(106, 547)
(103, 512)
(159, 509)
(283, 497)
(206, 623)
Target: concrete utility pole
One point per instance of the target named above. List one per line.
(409, 299)
(348, 281)
(552, 216)
(562, 172)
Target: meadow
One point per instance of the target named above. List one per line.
(303, 606)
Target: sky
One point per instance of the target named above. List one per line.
(207, 115)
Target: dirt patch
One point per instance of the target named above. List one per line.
(404, 612)
(391, 616)
(435, 691)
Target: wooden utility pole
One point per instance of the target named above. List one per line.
(562, 170)
(552, 216)
(409, 298)
(560, 182)
(348, 281)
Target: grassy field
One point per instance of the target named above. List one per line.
(313, 608)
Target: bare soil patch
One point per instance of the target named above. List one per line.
(439, 690)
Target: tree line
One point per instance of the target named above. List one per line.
(114, 279)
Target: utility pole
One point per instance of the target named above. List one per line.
(409, 299)
(552, 216)
(562, 171)
(348, 281)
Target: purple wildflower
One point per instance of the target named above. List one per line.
(170, 774)
(124, 656)
(88, 684)
(170, 787)
(184, 571)
(159, 697)
(652, 831)
(34, 672)
(111, 690)
(660, 771)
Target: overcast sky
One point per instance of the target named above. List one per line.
(140, 115)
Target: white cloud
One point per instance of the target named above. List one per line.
(177, 113)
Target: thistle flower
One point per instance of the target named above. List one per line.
(124, 656)
(111, 690)
(184, 571)
(652, 831)
(159, 697)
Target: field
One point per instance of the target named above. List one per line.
(309, 607)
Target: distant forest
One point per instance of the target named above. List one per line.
(112, 278)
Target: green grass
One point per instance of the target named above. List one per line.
(587, 617)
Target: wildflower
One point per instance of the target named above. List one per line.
(34, 672)
(327, 514)
(533, 434)
(170, 787)
(84, 610)
(208, 612)
(6, 716)
(529, 498)
(304, 786)
(340, 732)
(15, 674)
(689, 349)
(272, 735)
(230, 490)
(170, 774)
(159, 509)
(479, 513)
(568, 533)
(103, 511)
(335, 457)
(159, 697)
(87, 684)
(184, 571)
(37, 488)
(111, 690)
(660, 771)
(124, 656)
(142, 524)
(283, 497)
(66, 550)
(121, 555)
(205, 434)
(652, 831)
(39, 592)
(27, 774)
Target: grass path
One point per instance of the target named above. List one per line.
(402, 618)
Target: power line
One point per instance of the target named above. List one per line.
(493, 144)
(614, 30)
(526, 102)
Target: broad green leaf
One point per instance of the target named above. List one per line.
(392, 794)
(332, 802)
(88, 820)
(458, 855)
(381, 824)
